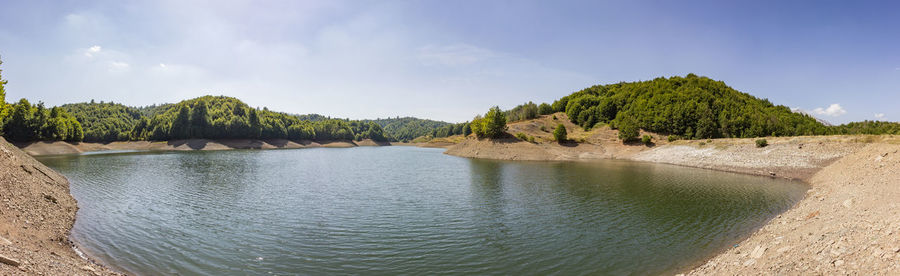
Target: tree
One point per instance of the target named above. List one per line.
(628, 129)
(3, 108)
(560, 133)
(181, 126)
(494, 123)
(200, 120)
(20, 126)
(545, 109)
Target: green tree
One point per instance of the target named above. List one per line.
(494, 123)
(545, 109)
(560, 133)
(200, 120)
(628, 129)
(3, 107)
(20, 126)
(181, 126)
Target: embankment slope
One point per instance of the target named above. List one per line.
(37, 212)
(848, 224)
(58, 147)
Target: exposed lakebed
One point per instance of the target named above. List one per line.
(405, 210)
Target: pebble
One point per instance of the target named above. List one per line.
(758, 252)
(4, 241)
(9, 261)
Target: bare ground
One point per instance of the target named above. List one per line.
(58, 148)
(37, 212)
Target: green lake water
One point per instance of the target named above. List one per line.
(406, 211)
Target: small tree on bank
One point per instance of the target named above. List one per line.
(560, 133)
(628, 130)
(492, 125)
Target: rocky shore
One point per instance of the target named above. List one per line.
(37, 213)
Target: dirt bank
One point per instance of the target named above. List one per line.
(37, 212)
(57, 148)
(848, 223)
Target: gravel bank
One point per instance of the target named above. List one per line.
(37, 212)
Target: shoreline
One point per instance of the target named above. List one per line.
(64, 148)
(852, 185)
(38, 215)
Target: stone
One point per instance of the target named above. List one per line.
(88, 268)
(4, 241)
(758, 252)
(9, 261)
(847, 203)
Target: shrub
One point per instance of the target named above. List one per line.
(647, 139)
(522, 136)
(544, 129)
(672, 138)
(554, 117)
(531, 139)
(761, 143)
(628, 131)
(560, 133)
(702, 144)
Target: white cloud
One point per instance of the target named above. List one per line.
(93, 50)
(833, 110)
(879, 116)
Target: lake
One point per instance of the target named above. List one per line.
(406, 210)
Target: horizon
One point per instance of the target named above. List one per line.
(447, 61)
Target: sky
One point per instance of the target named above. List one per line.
(448, 60)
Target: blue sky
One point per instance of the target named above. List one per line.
(448, 60)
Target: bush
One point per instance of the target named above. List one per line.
(554, 117)
(647, 139)
(672, 138)
(761, 143)
(560, 133)
(702, 144)
(531, 139)
(522, 136)
(628, 131)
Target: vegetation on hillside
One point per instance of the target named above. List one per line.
(492, 125)
(690, 107)
(408, 128)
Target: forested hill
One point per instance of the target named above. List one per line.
(689, 107)
(210, 117)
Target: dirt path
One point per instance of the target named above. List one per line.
(36, 213)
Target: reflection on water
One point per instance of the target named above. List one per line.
(404, 210)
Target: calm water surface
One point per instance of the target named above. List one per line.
(405, 210)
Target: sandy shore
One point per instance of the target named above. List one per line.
(59, 148)
(848, 223)
(37, 212)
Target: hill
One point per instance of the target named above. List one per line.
(690, 107)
